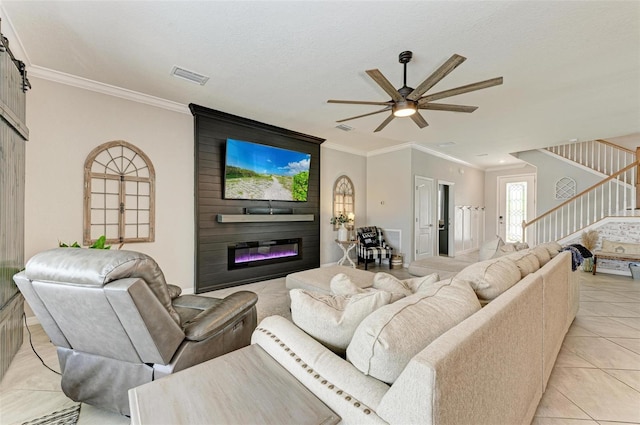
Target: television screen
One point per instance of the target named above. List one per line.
(255, 171)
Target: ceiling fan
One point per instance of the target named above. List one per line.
(406, 101)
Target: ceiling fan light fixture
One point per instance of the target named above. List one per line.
(404, 108)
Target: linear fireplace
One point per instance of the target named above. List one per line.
(258, 253)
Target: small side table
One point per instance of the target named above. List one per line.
(346, 247)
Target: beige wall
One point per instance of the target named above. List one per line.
(390, 194)
(334, 164)
(65, 124)
(468, 181)
(390, 181)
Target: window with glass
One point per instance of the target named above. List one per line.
(516, 210)
(119, 194)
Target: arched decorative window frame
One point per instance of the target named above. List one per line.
(124, 175)
(565, 188)
(340, 204)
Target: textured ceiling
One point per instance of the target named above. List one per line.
(571, 69)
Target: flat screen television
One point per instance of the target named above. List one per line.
(256, 171)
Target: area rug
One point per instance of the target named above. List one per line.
(68, 416)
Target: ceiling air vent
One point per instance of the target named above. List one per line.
(194, 77)
(344, 127)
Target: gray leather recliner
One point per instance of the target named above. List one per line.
(117, 324)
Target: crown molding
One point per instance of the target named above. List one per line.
(507, 167)
(444, 156)
(337, 147)
(416, 146)
(394, 148)
(95, 86)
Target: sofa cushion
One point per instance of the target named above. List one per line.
(388, 338)
(527, 262)
(542, 253)
(332, 319)
(491, 278)
(553, 247)
(402, 288)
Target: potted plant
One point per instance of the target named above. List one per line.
(98, 244)
(340, 220)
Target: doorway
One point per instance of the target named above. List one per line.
(424, 217)
(446, 216)
(516, 203)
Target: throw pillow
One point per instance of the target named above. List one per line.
(332, 319)
(422, 284)
(390, 283)
(402, 288)
(341, 284)
(490, 248)
(391, 336)
(368, 236)
(620, 247)
(491, 278)
(507, 248)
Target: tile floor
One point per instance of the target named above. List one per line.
(596, 379)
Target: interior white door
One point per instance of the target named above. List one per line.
(424, 217)
(516, 203)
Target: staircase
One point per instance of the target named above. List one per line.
(598, 155)
(616, 195)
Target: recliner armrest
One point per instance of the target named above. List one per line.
(214, 319)
(174, 291)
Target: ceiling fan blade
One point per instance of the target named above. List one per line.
(384, 123)
(437, 75)
(459, 90)
(365, 115)
(447, 107)
(359, 102)
(384, 83)
(419, 120)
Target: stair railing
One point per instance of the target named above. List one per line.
(616, 195)
(599, 155)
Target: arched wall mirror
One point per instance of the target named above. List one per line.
(343, 198)
(119, 195)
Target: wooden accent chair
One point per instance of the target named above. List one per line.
(372, 246)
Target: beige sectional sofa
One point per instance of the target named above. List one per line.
(491, 367)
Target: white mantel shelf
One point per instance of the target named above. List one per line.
(262, 218)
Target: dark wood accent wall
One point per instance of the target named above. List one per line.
(212, 128)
